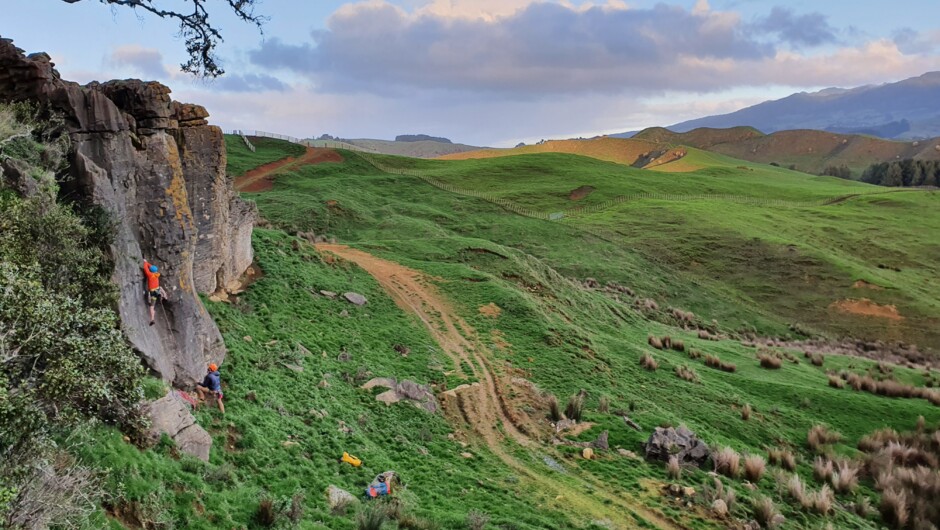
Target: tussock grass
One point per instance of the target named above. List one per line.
(771, 362)
(765, 512)
(575, 407)
(754, 467)
(655, 342)
(687, 374)
(781, 457)
(822, 469)
(673, 469)
(716, 491)
(727, 462)
(714, 362)
(648, 362)
(894, 508)
(554, 409)
(845, 476)
(819, 437)
(746, 412)
(821, 501)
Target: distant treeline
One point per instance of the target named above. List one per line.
(904, 173)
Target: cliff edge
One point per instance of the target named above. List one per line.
(158, 167)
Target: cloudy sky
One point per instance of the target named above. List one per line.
(493, 72)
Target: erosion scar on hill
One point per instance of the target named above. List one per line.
(261, 178)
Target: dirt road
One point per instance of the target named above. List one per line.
(482, 406)
(261, 177)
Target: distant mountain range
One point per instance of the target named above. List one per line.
(908, 109)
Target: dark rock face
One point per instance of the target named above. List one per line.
(681, 442)
(158, 168)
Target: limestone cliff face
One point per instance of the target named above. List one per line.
(159, 168)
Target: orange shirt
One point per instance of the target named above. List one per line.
(153, 278)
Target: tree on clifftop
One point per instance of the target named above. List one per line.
(200, 34)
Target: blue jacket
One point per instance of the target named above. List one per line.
(213, 381)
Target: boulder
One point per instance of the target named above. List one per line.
(681, 442)
(339, 498)
(355, 299)
(420, 395)
(165, 189)
(169, 415)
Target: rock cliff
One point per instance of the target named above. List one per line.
(159, 168)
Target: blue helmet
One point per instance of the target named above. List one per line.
(153, 268)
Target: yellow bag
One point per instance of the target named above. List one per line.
(351, 460)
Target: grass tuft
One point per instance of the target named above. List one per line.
(754, 467)
(685, 373)
(554, 409)
(727, 462)
(822, 469)
(648, 362)
(746, 412)
(765, 512)
(575, 407)
(771, 362)
(894, 508)
(673, 469)
(819, 437)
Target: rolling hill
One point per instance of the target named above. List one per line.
(500, 315)
(638, 153)
(807, 150)
(903, 110)
(413, 148)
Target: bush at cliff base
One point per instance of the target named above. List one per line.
(63, 359)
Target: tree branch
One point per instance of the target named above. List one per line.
(201, 36)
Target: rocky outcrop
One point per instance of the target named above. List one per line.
(681, 443)
(420, 395)
(169, 415)
(158, 168)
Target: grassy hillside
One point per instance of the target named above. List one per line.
(241, 159)
(513, 288)
(807, 150)
(418, 149)
(747, 249)
(622, 151)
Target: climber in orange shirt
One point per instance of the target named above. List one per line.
(154, 291)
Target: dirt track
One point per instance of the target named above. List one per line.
(261, 178)
(483, 407)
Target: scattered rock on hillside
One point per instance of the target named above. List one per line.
(344, 357)
(355, 298)
(169, 415)
(339, 497)
(681, 442)
(587, 453)
(420, 395)
(328, 294)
